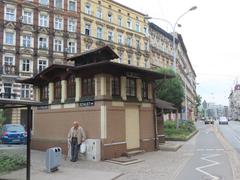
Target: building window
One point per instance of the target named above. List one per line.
(9, 60)
(99, 13)
(88, 46)
(138, 60)
(25, 91)
(129, 41)
(44, 93)
(129, 59)
(145, 30)
(99, 32)
(145, 62)
(72, 47)
(137, 27)
(9, 65)
(138, 45)
(26, 41)
(119, 20)
(88, 9)
(144, 90)
(88, 87)
(110, 17)
(43, 20)
(43, 2)
(72, 5)
(129, 23)
(10, 14)
(120, 38)
(42, 64)
(58, 4)
(9, 38)
(110, 36)
(87, 29)
(72, 25)
(57, 90)
(120, 55)
(58, 23)
(131, 87)
(26, 65)
(146, 46)
(58, 45)
(115, 86)
(71, 87)
(27, 16)
(43, 44)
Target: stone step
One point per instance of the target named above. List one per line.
(134, 153)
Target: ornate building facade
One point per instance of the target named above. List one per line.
(161, 55)
(33, 35)
(124, 29)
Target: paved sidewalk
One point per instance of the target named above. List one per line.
(157, 165)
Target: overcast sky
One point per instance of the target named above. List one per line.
(212, 38)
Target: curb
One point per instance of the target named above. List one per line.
(170, 148)
(182, 139)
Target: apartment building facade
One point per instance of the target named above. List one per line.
(33, 35)
(161, 55)
(124, 29)
(234, 103)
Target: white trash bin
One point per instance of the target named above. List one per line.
(53, 159)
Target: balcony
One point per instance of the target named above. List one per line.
(8, 70)
(8, 95)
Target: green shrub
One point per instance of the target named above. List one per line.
(185, 129)
(11, 162)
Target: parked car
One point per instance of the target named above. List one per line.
(209, 121)
(223, 120)
(13, 134)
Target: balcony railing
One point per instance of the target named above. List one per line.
(8, 70)
(8, 95)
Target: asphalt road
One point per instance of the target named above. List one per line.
(209, 160)
(231, 133)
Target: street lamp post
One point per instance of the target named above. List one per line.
(173, 26)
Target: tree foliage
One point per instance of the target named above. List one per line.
(170, 90)
(2, 117)
(198, 101)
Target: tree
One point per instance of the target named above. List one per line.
(198, 102)
(2, 117)
(170, 90)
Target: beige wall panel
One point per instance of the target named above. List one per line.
(116, 125)
(55, 124)
(146, 123)
(132, 127)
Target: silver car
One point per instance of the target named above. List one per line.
(223, 120)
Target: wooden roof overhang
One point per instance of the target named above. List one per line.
(50, 74)
(118, 69)
(93, 56)
(106, 67)
(164, 105)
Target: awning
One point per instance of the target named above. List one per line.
(164, 105)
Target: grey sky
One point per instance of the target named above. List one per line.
(211, 34)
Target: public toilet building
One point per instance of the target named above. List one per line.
(113, 102)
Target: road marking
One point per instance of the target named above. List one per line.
(213, 163)
(210, 149)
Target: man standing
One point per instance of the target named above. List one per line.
(76, 136)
